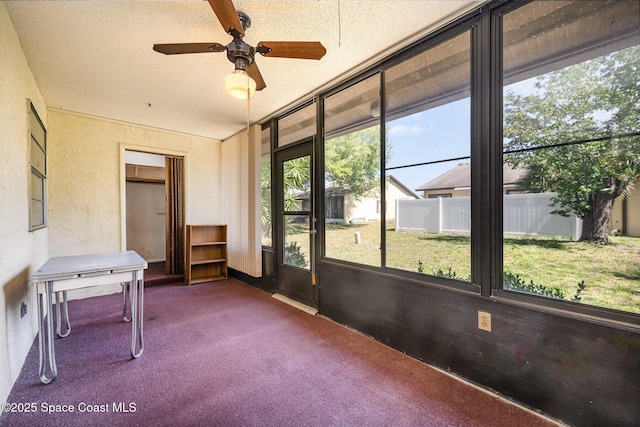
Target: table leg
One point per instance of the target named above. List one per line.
(126, 286)
(49, 332)
(137, 312)
(65, 309)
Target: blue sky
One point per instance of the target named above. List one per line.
(436, 134)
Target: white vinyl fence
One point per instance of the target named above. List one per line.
(524, 215)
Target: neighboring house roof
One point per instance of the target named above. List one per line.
(400, 186)
(460, 177)
(332, 190)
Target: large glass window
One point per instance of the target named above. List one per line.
(428, 168)
(265, 186)
(352, 173)
(38, 160)
(399, 174)
(571, 151)
(297, 126)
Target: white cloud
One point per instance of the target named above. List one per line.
(414, 129)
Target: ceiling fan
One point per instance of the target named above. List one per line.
(246, 78)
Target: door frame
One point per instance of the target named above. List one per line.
(123, 183)
(291, 278)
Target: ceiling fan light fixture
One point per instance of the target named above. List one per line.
(240, 85)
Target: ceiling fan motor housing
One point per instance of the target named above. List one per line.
(239, 52)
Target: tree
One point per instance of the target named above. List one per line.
(265, 205)
(352, 161)
(296, 181)
(589, 113)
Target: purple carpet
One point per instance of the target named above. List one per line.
(227, 354)
(155, 275)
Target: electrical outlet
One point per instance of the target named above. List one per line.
(23, 310)
(484, 321)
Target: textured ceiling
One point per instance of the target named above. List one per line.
(96, 57)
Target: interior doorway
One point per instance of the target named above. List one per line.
(155, 211)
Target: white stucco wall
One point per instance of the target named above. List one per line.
(21, 251)
(87, 181)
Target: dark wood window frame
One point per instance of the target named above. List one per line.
(485, 24)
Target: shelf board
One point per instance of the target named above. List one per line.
(207, 261)
(208, 243)
(207, 279)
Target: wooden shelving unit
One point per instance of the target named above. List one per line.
(206, 253)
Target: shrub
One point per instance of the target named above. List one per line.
(579, 288)
(450, 274)
(514, 282)
(293, 255)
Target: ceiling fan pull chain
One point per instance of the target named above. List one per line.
(248, 104)
(339, 25)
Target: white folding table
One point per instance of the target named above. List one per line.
(61, 274)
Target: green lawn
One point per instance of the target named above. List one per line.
(610, 272)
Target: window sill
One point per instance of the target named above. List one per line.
(597, 315)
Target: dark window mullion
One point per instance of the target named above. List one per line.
(383, 173)
(496, 141)
(481, 211)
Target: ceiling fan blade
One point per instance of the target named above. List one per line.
(179, 48)
(254, 73)
(300, 50)
(227, 15)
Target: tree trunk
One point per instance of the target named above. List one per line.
(595, 224)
